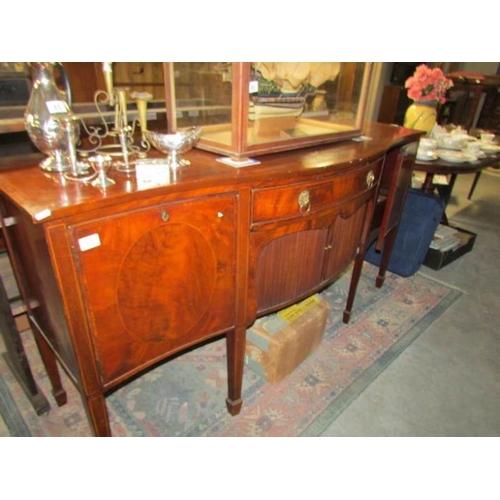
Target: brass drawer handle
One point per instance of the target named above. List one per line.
(370, 179)
(304, 201)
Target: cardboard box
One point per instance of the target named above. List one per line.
(22, 323)
(278, 343)
(436, 259)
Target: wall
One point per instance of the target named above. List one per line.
(487, 68)
(381, 74)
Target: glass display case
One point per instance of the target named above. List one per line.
(249, 109)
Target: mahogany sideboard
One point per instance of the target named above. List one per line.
(128, 277)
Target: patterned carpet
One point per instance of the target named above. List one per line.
(186, 396)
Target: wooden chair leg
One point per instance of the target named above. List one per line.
(16, 358)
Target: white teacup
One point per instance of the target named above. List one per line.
(426, 147)
(487, 137)
(427, 144)
(473, 149)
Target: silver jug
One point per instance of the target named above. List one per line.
(49, 120)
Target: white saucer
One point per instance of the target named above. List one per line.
(427, 157)
(455, 156)
(490, 147)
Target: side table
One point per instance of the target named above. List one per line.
(442, 167)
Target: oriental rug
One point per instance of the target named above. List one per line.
(185, 396)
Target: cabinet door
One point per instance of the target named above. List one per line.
(157, 280)
(289, 265)
(296, 260)
(345, 237)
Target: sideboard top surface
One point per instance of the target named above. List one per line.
(48, 196)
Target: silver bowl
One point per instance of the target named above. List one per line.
(174, 144)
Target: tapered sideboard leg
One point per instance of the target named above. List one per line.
(235, 342)
(389, 241)
(50, 362)
(97, 413)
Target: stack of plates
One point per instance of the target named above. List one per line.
(455, 156)
(490, 147)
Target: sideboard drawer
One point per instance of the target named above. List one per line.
(297, 200)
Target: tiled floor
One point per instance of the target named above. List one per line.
(447, 383)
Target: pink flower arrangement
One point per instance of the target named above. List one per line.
(428, 84)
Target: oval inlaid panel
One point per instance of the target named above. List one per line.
(162, 290)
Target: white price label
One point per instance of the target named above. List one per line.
(88, 242)
(150, 175)
(253, 87)
(43, 214)
(55, 107)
